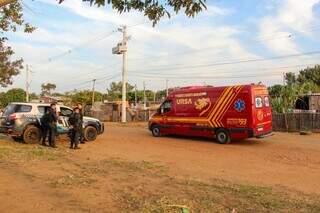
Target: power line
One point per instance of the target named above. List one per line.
(166, 76)
(285, 35)
(226, 72)
(210, 77)
(29, 9)
(232, 62)
(50, 59)
(96, 39)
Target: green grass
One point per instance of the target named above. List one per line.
(25, 152)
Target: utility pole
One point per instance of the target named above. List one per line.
(144, 96)
(93, 91)
(121, 48)
(167, 90)
(135, 96)
(27, 83)
(154, 96)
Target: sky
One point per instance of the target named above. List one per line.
(232, 42)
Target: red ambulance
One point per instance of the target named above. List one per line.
(229, 112)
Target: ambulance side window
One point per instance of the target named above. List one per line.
(166, 107)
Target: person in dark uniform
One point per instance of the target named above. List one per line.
(81, 117)
(76, 126)
(49, 126)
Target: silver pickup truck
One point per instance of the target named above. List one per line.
(22, 121)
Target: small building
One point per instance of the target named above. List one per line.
(309, 102)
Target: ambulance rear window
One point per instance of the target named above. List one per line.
(266, 101)
(258, 102)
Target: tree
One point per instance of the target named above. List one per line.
(115, 90)
(290, 78)
(11, 18)
(84, 97)
(275, 91)
(47, 88)
(12, 95)
(153, 9)
(310, 74)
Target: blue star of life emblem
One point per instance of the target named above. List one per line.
(239, 105)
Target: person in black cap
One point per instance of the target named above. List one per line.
(49, 126)
(75, 128)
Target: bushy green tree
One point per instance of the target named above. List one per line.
(11, 18)
(154, 9)
(12, 95)
(47, 88)
(114, 92)
(84, 97)
(311, 74)
(284, 97)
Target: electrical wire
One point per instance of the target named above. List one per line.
(230, 62)
(286, 35)
(216, 72)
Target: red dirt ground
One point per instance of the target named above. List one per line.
(29, 183)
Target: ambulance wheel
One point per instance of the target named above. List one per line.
(222, 136)
(156, 131)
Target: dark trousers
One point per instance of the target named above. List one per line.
(50, 132)
(75, 136)
(81, 134)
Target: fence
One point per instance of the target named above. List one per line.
(295, 122)
(114, 115)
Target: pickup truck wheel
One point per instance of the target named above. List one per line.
(223, 136)
(32, 134)
(90, 133)
(156, 131)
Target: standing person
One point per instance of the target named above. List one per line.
(49, 125)
(81, 127)
(75, 125)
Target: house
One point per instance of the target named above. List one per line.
(309, 102)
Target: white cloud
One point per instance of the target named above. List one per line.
(203, 42)
(292, 16)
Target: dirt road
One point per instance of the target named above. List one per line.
(127, 169)
(289, 160)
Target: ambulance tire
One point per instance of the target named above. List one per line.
(223, 136)
(155, 131)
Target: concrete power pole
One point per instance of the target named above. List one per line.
(167, 90)
(135, 96)
(121, 48)
(93, 91)
(144, 96)
(27, 83)
(124, 76)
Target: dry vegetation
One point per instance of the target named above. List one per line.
(118, 185)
